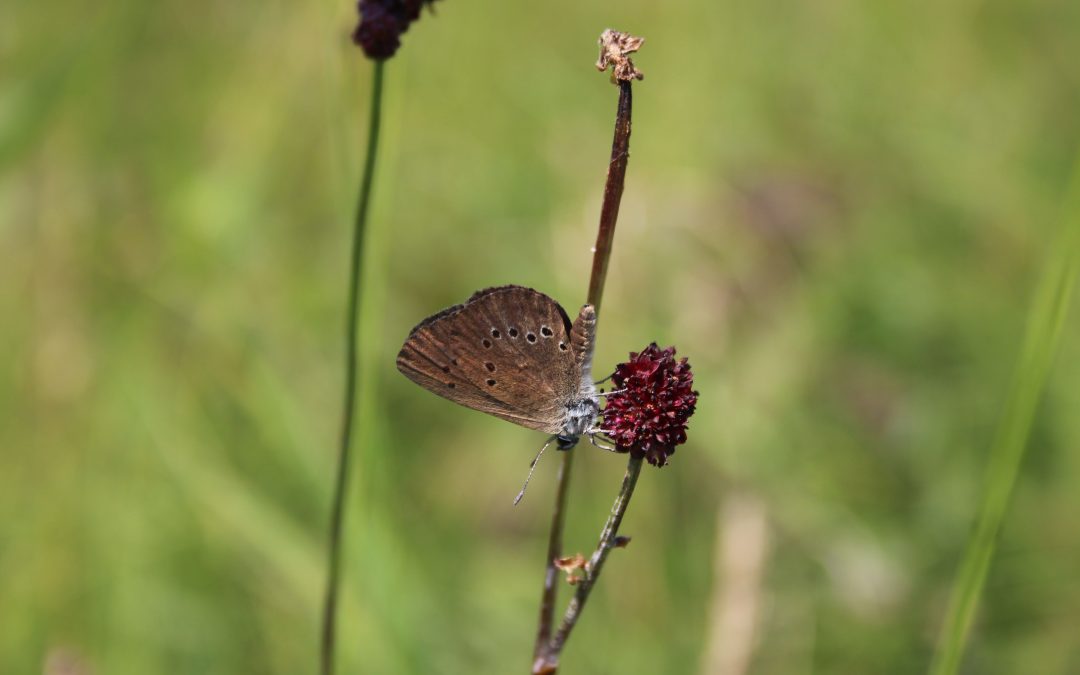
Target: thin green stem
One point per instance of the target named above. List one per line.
(1041, 340)
(352, 328)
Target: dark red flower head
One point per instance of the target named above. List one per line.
(653, 399)
(382, 22)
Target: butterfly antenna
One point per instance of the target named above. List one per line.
(532, 467)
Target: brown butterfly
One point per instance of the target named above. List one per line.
(511, 352)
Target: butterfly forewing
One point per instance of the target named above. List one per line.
(506, 352)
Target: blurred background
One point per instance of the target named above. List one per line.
(838, 210)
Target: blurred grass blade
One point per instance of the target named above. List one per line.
(1041, 340)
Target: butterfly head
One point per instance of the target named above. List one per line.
(580, 418)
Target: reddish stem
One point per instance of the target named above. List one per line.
(545, 660)
(613, 189)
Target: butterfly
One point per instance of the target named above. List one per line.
(511, 352)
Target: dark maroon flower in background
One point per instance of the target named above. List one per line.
(653, 399)
(382, 22)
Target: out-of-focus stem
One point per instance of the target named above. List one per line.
(1048, 315)
(352, 327)
(551, 573)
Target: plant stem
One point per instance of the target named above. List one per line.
(1041, 340)
(352, 327)
(609, 214)
(596, 561)
(551, 573)
(613, 189)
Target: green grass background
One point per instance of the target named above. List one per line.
(839, 211)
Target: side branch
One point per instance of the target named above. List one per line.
(596, 562)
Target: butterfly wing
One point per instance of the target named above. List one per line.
(506, 351)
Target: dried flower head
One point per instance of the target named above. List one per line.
(615, 50)
(382, 22)
(653, 398)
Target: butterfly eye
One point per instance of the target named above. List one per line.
(530, 337)
(490, 366)
(545, 331)
(513, 332)
(495, 333)
(486, 342)
(491, 383)
(562, 346)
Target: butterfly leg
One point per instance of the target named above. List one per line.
(610, 447)
(609, 393)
